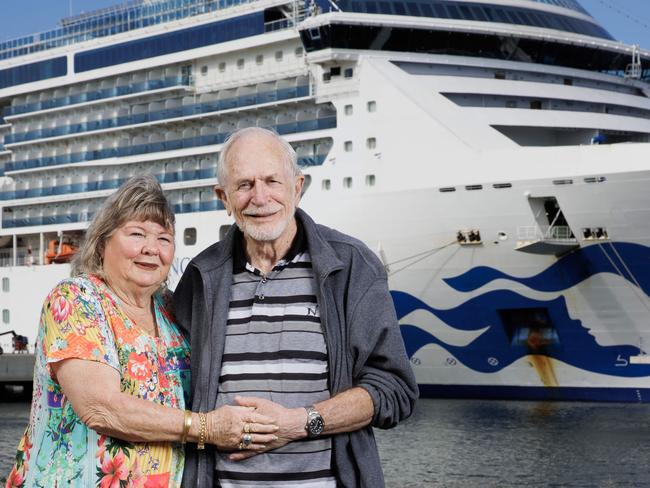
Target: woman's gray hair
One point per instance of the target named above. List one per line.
(291, 159)
(140, 198)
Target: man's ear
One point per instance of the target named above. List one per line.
(300, 181)
(223, 196)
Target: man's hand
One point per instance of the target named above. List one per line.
(291, 423)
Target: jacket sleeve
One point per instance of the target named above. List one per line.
(182, 302)
(381, 365)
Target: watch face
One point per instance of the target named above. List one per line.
(316, 425)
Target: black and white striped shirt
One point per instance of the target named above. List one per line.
(275, 349)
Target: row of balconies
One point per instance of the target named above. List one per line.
(284, 123)
(96, 94)
(173, 108)
(181, 201)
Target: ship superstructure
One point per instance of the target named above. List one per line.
(494, 153)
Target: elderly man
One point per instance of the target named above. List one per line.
(295, 320)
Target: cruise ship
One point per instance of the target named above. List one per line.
(495, 154)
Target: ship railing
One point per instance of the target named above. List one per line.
(547, 232)
(297, 91)
(111, 21)
(23, 257)
(100, 94)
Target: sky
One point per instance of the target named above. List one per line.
(626, 20)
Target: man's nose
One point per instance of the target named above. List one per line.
(260, 194)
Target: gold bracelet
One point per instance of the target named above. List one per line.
(202, 431)
(187, 424)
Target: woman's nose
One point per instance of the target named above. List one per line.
(150, 248)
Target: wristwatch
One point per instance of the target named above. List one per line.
(315, 424)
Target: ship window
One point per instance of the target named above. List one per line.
(347, 182)
(511, 103)
(204, 70)
(474, 187)
(326, 185)
(426, 10)
(536, 104)
(385, 8)
(327, 77)
(371, 142)
(500, 75)
(502, 185)
(240, 63)
(347, 146)
(372, 106)
(259, 59)
(413, 9)
(335, 71)
(399, 8)
(299, 52)
(348, 73)
(529, 327)
(223, 230)
(568, 81)
(348, 110)
(189, 236)
(5, 316)
(447, 189)
(467, 13)
(222, 66)
(370, 180)
(278, 55)
(5, 284)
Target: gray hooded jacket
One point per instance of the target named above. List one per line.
(364, 344)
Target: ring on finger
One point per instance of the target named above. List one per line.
(247, 440)
(247, 428)
(241, 446)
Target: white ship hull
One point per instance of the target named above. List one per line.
(495, 296)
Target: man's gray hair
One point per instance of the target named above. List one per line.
(290, 159)
(140, 198)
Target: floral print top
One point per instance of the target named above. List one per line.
(82, 319)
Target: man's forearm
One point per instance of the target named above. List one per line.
(347, 411)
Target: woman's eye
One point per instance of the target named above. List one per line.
(137, 234)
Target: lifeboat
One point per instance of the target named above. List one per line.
(59, 252)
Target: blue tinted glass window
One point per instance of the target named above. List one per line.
(467, 14)
(399, 8)
(371, 7)
(385, 8)
(214, 33)
(441, 11)
(453, 11)
(426, 9)
(479, 13)
(413, 9)
(28, 73)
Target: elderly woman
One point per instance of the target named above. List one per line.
(111, 376)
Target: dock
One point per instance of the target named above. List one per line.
(16, 368)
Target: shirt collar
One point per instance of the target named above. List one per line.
(239, 261)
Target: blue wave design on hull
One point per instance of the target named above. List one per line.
(492, 350)
(617, 258)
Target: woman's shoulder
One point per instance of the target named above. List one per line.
(74, 286)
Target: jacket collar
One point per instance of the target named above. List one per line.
(323, 256)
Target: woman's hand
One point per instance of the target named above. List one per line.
(227, 425)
